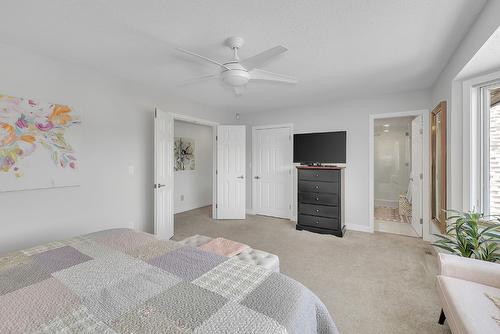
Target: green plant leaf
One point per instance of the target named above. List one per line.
(471, 234)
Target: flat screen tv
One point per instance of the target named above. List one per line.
(319, 148)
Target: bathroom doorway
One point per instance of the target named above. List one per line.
(398, 172)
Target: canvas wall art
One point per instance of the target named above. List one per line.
(39, 144)
(184, 154)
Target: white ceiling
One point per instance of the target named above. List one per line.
(485, 59)
(337, 48)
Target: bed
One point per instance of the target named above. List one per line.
(124, 281)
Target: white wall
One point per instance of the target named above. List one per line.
(391, 165)
(117, 133)
(350, 115)
(448, 87)
(195, 185)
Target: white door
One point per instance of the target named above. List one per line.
(416, 174)
(163, 175)
(231, 172)
(272, 163)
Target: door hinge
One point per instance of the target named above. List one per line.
(421, 131)
(216, 172)
(216, 138)
(155, 113)
(421, 220)
(216, 206)
(290, 206)
(289, 137)
(421, 176)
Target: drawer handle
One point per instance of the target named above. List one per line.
(317, 199)
(317, 210)
(316, 175)
(317, 187)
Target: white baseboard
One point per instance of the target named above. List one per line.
(192, 207)
(359, 228)
(252, 212)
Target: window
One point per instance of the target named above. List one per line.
(490, 148)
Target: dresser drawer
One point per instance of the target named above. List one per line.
(319, 210)
(330, 223)
(327, 175)
(319, 198)
(319, 187)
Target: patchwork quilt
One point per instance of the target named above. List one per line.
(123, 281)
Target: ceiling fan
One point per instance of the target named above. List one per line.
(237, 73)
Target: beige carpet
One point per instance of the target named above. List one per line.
(370, 283)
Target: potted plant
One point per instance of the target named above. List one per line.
(471, 234)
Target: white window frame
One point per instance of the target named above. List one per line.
(484, 110)
(475, 142)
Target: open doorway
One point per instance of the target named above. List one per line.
(193, 168)
(398, 173)
(227, 170)
(396, 161)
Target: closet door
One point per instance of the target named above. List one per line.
(272, 163)
(231, 148)
(163, 187)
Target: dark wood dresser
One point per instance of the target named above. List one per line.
(320, 200)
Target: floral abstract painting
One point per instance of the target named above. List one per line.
(184, 154)
(38, 144)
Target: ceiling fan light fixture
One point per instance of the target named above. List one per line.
(235, 78)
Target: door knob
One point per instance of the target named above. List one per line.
(159, 185)
(241, 177)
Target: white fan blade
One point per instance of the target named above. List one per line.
(204, 58)
(261, 58)
(198, 79)
(258, 74)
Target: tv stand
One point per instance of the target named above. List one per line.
(321, 199)
(312, 164)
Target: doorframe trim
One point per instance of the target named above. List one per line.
(213, 125)
(253, 186)
(425, 168)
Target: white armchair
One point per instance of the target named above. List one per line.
(462, 286)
